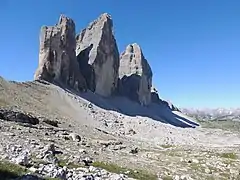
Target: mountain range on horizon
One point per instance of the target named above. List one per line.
(213, 113)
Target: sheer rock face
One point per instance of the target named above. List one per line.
(98, 56)
(135, 75)
(57, 57)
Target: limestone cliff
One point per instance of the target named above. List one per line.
(98, 56)
(135, 75)
(57, 58)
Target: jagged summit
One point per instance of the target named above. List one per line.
(57, 59)
(135, 75)
(65, 19)
(132, 61)
(105, 16)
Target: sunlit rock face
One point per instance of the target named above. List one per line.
(57, 57)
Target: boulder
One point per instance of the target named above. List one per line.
(135, 75)
(9, 115)
(75, 137)
(22, 159)
(57, 57)
(98, 56)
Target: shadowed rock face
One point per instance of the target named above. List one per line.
(98, 56)
(156, 99)
(57, 58)
(154, 95)
(135, 75)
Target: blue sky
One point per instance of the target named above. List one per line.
(192, 46)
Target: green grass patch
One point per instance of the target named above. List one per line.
(210, 178)
(137, 174)
(166, 146)
(9, 170)
(225, 175)
(196, 167)
(228, 155)
(61, 162)
(70, 165)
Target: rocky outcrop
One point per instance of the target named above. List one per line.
(154, 95)
(156, 99)
(98, 56)
(57, 58)
(9, 115)
(135, 75)
(170, 105)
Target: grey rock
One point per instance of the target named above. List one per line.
(57, 58)
(98, 56)
(51, 122)
(87, 161)
(89, 177)
(50, 148)
(48, 153)
(117, 177)
(109, 143)
(82, 151)
(62, 173)
(50, 158)
(131, 132)
(135, 75)
(22, 159)
(134, 150)
(33, 169)
(75, 137)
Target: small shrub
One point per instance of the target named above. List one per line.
(166, 146)
(71, 165)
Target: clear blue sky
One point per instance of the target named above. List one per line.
(193, 46)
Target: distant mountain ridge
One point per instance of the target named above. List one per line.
(213, 113)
